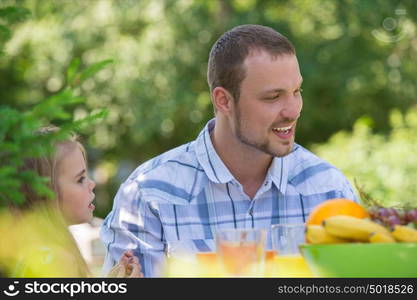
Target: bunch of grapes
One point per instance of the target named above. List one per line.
(387, 216)
(390, 217)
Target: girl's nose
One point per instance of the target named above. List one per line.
(92, 184)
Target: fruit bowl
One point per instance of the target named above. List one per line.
(362, 259)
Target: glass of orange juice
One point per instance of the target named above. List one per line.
(285, 240)
(241, 252)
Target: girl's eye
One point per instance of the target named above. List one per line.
(81, 180)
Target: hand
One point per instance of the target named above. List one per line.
(127, 267)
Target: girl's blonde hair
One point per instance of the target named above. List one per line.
(48, 166)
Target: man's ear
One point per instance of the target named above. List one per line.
(222, 100)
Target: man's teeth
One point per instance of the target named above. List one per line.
(282, 129)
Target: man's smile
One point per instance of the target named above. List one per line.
(284, 132)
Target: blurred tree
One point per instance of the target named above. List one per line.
(17, 139)
(36, 242)
(355, 60)
(384, 166)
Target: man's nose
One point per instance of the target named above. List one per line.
(292, 109)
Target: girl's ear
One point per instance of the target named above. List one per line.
(222, 100)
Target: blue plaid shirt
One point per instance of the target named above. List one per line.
(184, 195)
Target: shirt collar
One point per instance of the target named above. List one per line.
(278, 173)
(279, 169)
(209, 159)
(217, 172)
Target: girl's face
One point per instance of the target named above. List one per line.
(75, 188)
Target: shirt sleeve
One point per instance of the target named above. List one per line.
(134, 224)
(348, 192)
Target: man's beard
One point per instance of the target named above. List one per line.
(260, 146)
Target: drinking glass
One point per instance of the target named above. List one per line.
(241, 252)
(288, 259)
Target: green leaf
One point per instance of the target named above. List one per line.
(53, 107)
(72, 70)
(6, 170)
(5, 33)
(78, 125)
(93, 69)
(14, 14)
(12, 196)
(9, 147)
(43, 190)
(10, 182)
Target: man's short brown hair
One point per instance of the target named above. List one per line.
(225, 65)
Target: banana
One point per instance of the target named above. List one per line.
(404, 233)
(349, 227)
(378, 237)
(316, 234)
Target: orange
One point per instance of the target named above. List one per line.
(334, 207)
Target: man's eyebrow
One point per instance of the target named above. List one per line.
(80, 173)
(278, 90)
(273, 91)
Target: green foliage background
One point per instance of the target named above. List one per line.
(383, 166)
(17, 139)
(357, 57)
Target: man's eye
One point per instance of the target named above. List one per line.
(273, 97)
(300, 90)
(81, 180)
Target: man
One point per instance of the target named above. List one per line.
(243, 170)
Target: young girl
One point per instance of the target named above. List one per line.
(66, 168)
